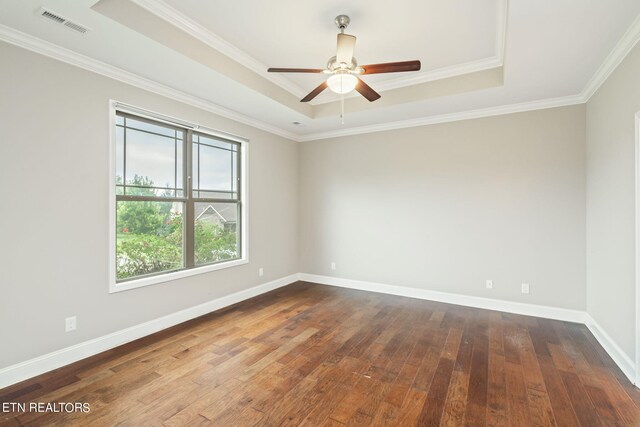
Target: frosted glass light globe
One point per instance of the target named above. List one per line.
(342, 83)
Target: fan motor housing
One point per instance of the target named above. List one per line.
(332, 64)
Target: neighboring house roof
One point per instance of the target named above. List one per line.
(226, 212)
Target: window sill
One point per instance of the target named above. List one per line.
(169, 277)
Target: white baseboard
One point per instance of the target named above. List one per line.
(623, 361)
(39, 365)
(568, 315)
(450, 298)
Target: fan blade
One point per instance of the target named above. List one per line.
(295, 70)
(391, 67)
(315, 92)
(346, 44)
(366, 91)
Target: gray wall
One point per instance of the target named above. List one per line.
(441, 207)
(54, 174)
(611, 202)
(445, 207)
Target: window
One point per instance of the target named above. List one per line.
(178, 200)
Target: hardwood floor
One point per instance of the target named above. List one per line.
(318, 355)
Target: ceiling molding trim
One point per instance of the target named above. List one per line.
(452, 117)
(32, 43)
(452, 71)
(615, 58)
(429, 76)
(501, 34)
(189, 26)
(186, 24)
(35, 44)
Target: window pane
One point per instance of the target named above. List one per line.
(216, 143)
(234, 176)
(202, 194)
(195, 172)
(138, 124)
(179, 146)
(119, 120)
(119, 155)
(215, 168)
(216, 236)
(151, 161)
(149, 238)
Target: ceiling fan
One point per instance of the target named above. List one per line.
(344, 69)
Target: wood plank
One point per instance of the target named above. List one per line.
(580, 401)
(560, 401)
(517, 395)
(456, 402)
(476, 412)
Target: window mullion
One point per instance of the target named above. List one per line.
(239, 223)
(189, 219)
(124, 157)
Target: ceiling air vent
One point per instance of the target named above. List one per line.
(62, 20)
(75, 26)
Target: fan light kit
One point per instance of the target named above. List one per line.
(344, 70)
(342, 83)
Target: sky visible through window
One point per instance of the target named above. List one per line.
(159, 158)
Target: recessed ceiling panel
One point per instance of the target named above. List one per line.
(294, 33)
(552, 50)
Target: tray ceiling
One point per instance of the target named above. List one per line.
(477, 55)
(442, 34)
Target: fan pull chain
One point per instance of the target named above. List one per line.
(342, 108)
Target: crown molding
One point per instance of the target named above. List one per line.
(617, 55)
(35, 44)
(26, 41)
(189, 26)
(501, 32)
(497, 60)
(425, 77)
(622, 48)
(32, 43)
(452, 117)
(441, 73)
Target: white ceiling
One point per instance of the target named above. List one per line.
(303, 34)
(551, 48)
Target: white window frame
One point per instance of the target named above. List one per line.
(637, 248)
(114, 286)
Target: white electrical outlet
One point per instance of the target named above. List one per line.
(333, 265)
(525, 288)
(70, 324)
(489, 284)
(260, 271)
